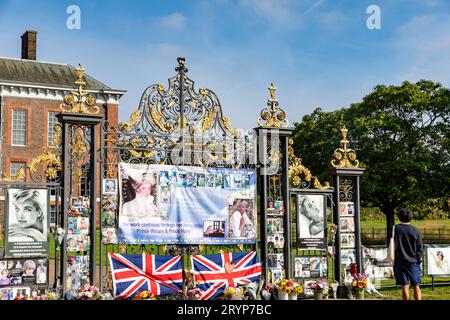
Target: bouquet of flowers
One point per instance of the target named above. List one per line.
(359, 281)
(194, 294)
(318, 285)
(234, 293)
(286, 285)
(144, 295)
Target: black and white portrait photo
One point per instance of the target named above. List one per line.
(310, 223)
(27, 221)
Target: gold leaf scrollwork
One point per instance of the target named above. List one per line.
(208, 120)
(19, 176)
(344, 157)
(155, 113)
(80, 101)
(297, 170)
(128, 126)
(49, 157)
(273, 116)
(79, 147)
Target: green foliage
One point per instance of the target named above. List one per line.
(401, 135)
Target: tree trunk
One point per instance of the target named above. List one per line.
(390, 221)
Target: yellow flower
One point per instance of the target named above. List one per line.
(144, 295)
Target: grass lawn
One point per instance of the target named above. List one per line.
(428, 224)
(439, 293)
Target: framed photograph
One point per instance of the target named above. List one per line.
(27, 222)
(276, 274)
(276, 240)
(346, 209)
(214, 228)
(274, 225)
(275, 260)
(311, 220)
(347, 240)
(244, 209)
(109, 235)
(438, 260)
(28, 271)
(347, 224)
(109, 186)
(311, 267)
(348, 256)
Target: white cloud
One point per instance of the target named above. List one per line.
(422, 47)
(174, 21)
(286, 13)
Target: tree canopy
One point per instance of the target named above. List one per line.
(401, 135)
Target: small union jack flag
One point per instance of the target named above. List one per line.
(134, 273)
(216, 272)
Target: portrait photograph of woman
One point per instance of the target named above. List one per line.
(27, 219)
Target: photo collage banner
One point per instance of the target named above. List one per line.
(347, 236)
(109, 211)
(186, 205)
(78, 225)
(20, 272)
(275, 239)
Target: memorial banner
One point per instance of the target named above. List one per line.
(186, 205)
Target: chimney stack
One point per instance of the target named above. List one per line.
(29, 45)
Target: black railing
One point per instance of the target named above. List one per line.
(373, 236)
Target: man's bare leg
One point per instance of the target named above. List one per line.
(417, 293)
(405, 292)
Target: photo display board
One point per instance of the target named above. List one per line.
(311, 267)
(438, 260)
(347, 237)
(24, 272)
(375, 263)
(186, 205)
(311, 221)
(27, 223)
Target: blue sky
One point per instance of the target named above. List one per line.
(317, 52)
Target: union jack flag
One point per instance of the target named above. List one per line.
(134, 273)
(216, 272)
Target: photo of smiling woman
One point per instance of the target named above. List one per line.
(27, 220)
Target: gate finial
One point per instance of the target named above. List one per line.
(344, 157)
(79, 101)
(273, 116)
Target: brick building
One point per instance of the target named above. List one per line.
(31, 92)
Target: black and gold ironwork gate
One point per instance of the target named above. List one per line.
(172, 126)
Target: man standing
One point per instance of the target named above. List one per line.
(408, 255)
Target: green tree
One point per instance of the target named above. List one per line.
(401, 136)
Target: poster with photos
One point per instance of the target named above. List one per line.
(109, 211)
(375, 263)
(275, 260)
(79, 206)
(346, 209)
(77, 272)
(275, 208)
(276, 240)
(33, 271)
(311, 267)
(76, 242)
(347, 240)
(27, 222)
(348, 256)
(78, 226)
(186, 205)
(11, 293)
(307, 290)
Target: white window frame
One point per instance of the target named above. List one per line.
(25, 130)
(50, 130)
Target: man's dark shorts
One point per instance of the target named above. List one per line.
(405, 273)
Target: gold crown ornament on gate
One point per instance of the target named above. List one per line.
(80, 101)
